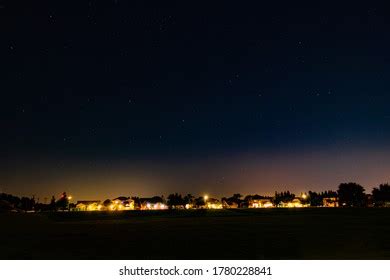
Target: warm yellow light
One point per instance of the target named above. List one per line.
(304, 196)
(268, 205)
(69, 197)
(206, 197)
(99, 207)
(112, 207)
(120, 207)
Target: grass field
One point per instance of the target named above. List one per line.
(203, 234)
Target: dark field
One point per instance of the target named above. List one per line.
(203, 234)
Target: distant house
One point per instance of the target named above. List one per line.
(153, 203)
(260, 203)
(226, 203)
(122, 203)
(88, 205)
(330, 202)
(295, 203)
(213, 203)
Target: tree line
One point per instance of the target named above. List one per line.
(347, 195)
(10, 202)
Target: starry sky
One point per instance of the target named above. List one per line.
(107, 98)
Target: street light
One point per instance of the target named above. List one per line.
(69, 199)
(205, 200)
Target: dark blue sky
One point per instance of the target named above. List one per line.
(87, 83)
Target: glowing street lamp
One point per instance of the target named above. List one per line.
(205, 200)
(304, 196)
(69, 199)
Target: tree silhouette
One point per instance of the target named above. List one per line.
(107, 203)
(189, 199)
(351, 195)
(53, 203)
(200, 201)
(10, 201)
(175, 200)
(381, 195)
(63, 202)
(27, 204)
(283, 197)
(234, 199)
(315, 199)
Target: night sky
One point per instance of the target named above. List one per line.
(108, 98)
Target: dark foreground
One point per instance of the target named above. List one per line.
(220, 234)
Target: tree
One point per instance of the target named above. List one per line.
(351, 195)
(200, 201)
(234, 199)
(283, 197)
(63, 202)
(189, 199)
(107, 203)
(175, 200)
(315, 199)
(381, 195)
(12, 200)
(52, 203)
(237, 198)
(27, 204)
